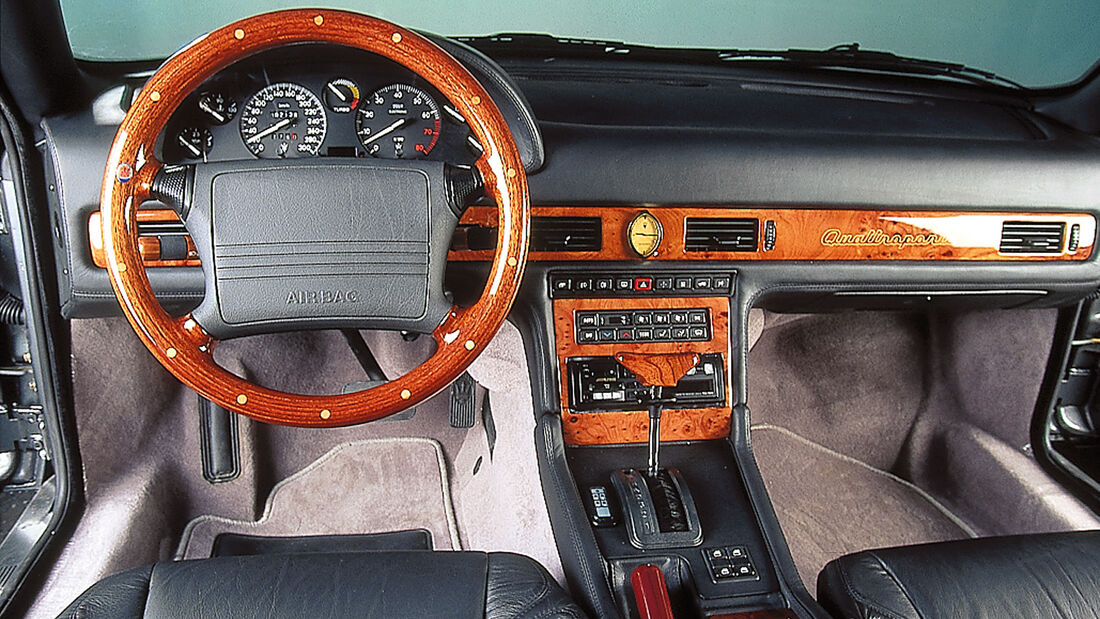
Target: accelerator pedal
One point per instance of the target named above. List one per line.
(463, 401)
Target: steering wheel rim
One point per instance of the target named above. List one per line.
(181, 345)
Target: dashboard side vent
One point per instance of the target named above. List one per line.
(1032, 237)
(721, 234)
(566, 234)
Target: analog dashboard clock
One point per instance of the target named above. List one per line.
(644, 234)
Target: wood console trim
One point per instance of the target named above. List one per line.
(633, 426)
(813, 233)
(661, 370)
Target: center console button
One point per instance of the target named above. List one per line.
(644, 284)
(586, 320)
(683, 283)
(663, 283)
(702, 283)
(643, 318)
(643, 334)
(604, 284)
(679, 318)
(607, 335)
(697, 317)
(661, 333)
(660, 318)
(582, 285)
(624, 284)
(587, 335)
(679, 333)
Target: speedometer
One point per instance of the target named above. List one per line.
(283, 120)
(398, 122)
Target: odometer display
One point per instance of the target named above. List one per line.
(283, 120)
(398, 122)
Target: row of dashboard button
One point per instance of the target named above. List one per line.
(615, 285)
(644, 334)
(686, 325)
(642, 319)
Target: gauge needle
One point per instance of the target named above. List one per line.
(204, 106)
(272, 129)
(336, 91)
(397, 124)
(189, 146)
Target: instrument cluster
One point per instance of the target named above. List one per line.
(317, 101)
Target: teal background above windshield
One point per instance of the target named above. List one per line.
(1035, 42)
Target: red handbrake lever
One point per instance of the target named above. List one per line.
(651, 593)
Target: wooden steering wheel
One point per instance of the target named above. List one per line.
(209, 200)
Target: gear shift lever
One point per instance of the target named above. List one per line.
(660, 512)
(657, 372)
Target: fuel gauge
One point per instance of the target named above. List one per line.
(341, 95)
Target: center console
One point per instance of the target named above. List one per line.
(691, 515)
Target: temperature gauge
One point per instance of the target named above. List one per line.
(341, 95)
(195, 143)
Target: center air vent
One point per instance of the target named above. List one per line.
(566, 234)
(707, 234)
(1032, 237)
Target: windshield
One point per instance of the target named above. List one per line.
(1037, 43)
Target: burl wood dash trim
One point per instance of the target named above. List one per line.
(633, 426)
(661, 370)
(801, 234)
(180, 344)
(804, 233)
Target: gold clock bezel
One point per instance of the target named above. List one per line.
(630, 234)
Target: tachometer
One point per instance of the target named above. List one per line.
(398, 122)
(283, 120)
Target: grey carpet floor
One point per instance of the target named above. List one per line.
(830, 505)
(396, 484)
(888, 417)
(138, 434)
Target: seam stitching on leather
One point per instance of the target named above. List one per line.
(863, 599)
(897, 581)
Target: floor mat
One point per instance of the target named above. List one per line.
(830, 505)
(368, 486)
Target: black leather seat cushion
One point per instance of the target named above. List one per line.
(1048, 575)
(329, 585)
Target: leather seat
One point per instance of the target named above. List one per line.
(1048, 575)
(329, 585)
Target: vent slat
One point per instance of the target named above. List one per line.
(1032, 237)
(721, 234)
(566, 234)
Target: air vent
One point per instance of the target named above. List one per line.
(566, 234)
(706, 234)
(1032, 237)
(161, 228)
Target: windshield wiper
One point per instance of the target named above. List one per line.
(846, 56)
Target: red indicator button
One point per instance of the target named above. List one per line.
(643, 283)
